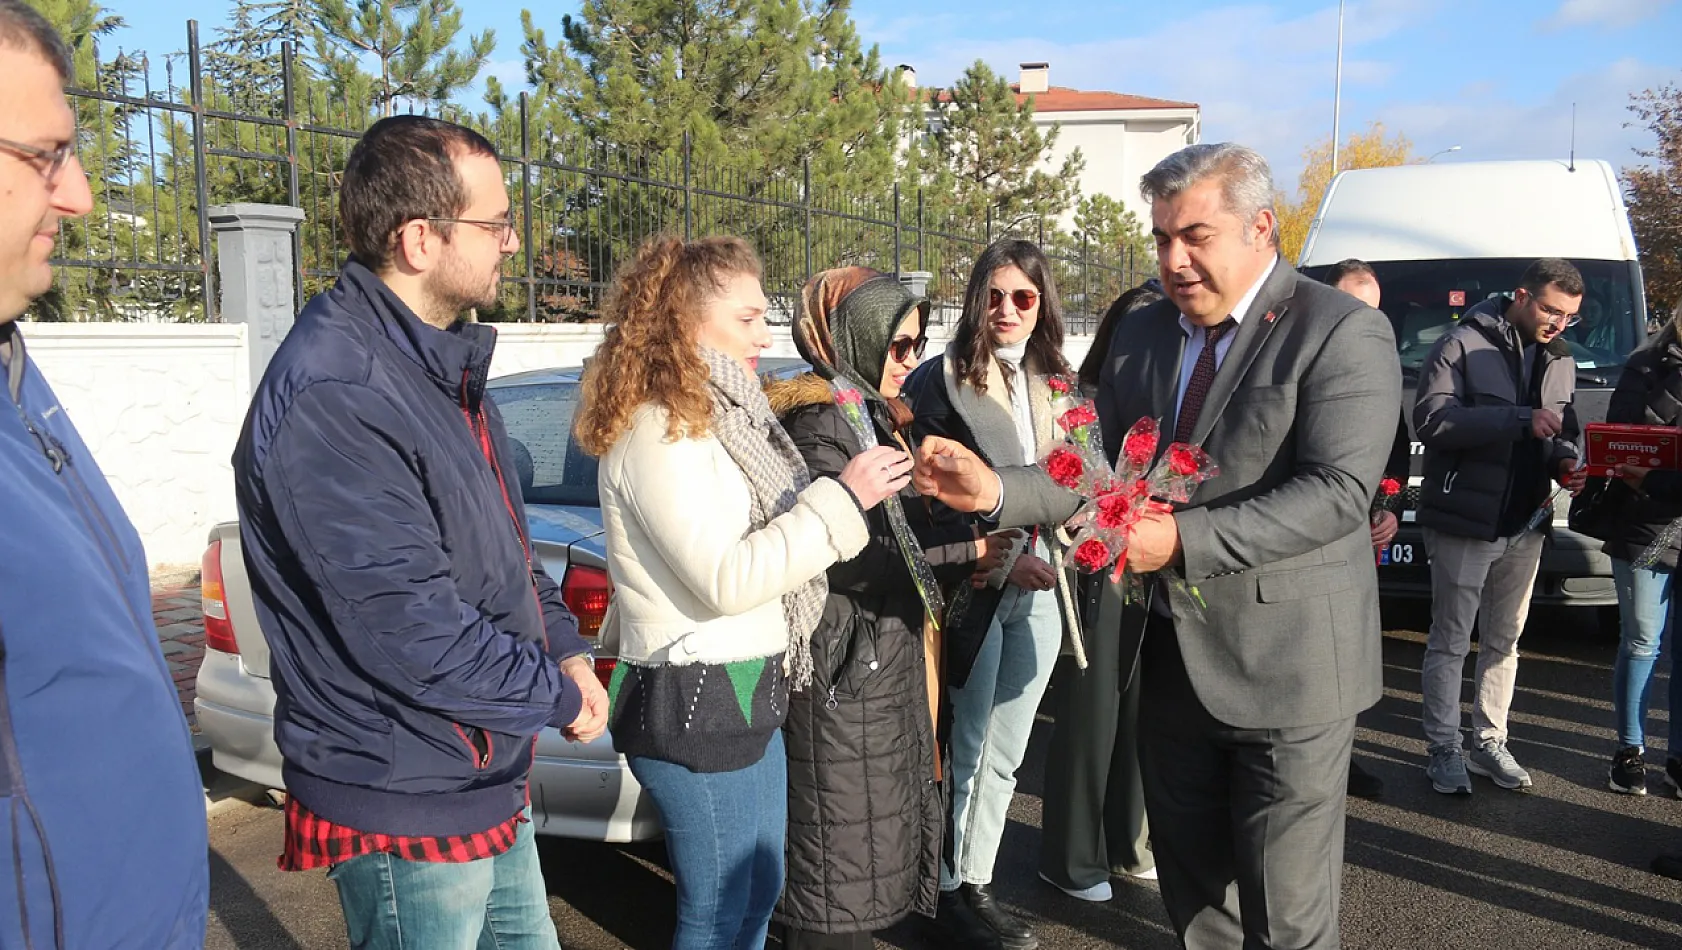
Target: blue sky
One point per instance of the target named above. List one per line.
(1496, 77)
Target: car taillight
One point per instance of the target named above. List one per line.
(586, 591)
(605, 666)
(213, 599)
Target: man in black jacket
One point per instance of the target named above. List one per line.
(1494, 412)
(418, 645)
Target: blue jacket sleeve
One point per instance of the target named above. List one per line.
(367, 538)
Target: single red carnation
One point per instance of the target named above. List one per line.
(1059, 385)
(1114, 510)
(1181, 460)
(1139, 449)
(1078, 418)
(1389, 487)
(849, 397)
(1065, 467)
(1092, 555)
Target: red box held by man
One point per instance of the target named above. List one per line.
(1609, 444)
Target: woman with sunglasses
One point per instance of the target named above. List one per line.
(990, 393)
(865, 812)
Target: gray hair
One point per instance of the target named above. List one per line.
(1246, 181)
(23, 29)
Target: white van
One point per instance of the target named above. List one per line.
(1444, 237)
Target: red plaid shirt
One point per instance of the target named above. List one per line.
(314, 842)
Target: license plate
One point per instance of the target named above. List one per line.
(1399, 554)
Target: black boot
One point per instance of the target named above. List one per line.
(956, 927)
(1013, 933)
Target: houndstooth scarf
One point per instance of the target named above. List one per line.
(776, 474)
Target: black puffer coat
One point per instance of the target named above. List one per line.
(865, 814)
(1648, 393)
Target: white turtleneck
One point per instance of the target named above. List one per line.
(1023, 413)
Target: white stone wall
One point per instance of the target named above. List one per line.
(161, 405)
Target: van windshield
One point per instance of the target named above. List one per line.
(1423, 298)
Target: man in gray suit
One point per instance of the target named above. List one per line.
(1249, 703)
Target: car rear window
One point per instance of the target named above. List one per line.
(552, 469)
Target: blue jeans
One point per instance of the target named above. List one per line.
(992, 717)
(1644, 597)
(724, 835)
(491, 904)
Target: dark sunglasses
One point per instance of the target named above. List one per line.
(1023, 299)
(902, 349)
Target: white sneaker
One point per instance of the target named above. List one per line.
(1148, 874)
(1097, 893)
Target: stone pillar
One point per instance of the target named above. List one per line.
(917, 280)
(256, 273)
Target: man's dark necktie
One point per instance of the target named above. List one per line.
(1202, 376)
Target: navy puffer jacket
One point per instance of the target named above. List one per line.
(414, 637)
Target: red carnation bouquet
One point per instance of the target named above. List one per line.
(1142, 480)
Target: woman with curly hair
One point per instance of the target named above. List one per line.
(717, 543)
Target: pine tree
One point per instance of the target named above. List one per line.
(984, 156)
(414, 43)
(763, 91)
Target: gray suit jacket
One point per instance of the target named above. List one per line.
(1300, 419)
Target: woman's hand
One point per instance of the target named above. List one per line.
(992, 549)
(876, 475)
(1031, 573)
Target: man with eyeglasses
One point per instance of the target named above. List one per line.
(1494, 413)
(418, 646)
(105, 835)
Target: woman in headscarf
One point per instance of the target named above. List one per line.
(865, 809)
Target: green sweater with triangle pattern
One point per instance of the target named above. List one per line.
(707, 717)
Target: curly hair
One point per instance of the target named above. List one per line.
(649, 353)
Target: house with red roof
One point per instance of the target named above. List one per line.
(1121, 135)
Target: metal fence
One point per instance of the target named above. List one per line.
(158, 159)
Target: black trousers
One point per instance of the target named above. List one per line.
(1247, 824)
(1093, 819)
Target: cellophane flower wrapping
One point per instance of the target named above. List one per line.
(1142, 479)
(852, 404)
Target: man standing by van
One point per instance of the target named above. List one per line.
(1494, 412)
(1356, 278)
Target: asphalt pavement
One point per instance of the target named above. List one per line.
(1561, 866)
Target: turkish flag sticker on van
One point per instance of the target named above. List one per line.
(1457, 298)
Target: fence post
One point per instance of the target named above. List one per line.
(525, 204)
(196, 84)
(688, 216)
(922, 238)
(806, 213)
(1086, 278)
(289, 105)
(898, 234)
(256, 270)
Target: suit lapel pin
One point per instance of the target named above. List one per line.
(1271, 316)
